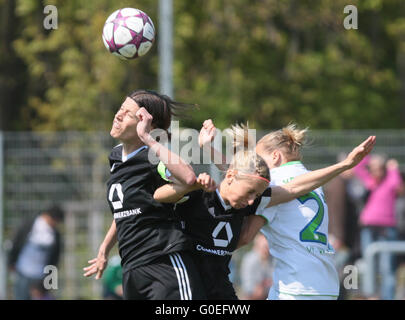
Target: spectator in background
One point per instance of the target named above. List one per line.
(400, 210)
(378, 219)
(37, 243)
(345, 197)
(400, 215)
(112, 280)
(257, 270)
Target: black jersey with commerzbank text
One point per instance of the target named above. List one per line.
(214, 227)
(146, 229)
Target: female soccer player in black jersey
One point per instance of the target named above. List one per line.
(152, 246)
(214, 220)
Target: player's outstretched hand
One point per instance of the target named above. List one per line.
(206, 183)
(97, 267)
(207, 133)
(360, 152)
(144, 125)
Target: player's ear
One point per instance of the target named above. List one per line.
(276, 155)
(230, 175)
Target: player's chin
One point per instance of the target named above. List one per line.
(114, 133)
(240, 205)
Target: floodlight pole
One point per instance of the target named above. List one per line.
(165, 47)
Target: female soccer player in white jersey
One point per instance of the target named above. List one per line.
(297, 231)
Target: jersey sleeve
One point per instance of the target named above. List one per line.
(189, 196)
(182, 200)
(264, 201)
(268, 214)
(163, 172)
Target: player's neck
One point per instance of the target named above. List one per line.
(282, 160)
(127, 148)
(222, 192)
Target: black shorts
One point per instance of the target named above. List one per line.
(215, 276)
(171, 277)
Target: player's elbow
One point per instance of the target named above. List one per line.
(159, 196)
(295, 191)
(190, 179)
(162, 199)
(283, 194)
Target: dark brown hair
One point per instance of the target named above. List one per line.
(160, 106)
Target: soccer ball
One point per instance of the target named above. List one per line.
(128, 33)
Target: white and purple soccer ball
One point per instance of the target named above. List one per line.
(128, 33)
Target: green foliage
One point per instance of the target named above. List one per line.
(268, 62)
(272, 62)
(75, 84)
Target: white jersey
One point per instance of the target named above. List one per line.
(297, 233)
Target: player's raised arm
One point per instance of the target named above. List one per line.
(307, 182)
(207, 135)
(176, 165)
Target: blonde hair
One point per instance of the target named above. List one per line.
(245, 159)
(288, 140)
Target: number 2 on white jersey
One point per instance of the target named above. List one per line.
(310, 233)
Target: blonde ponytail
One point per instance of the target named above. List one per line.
(242, 139)
(245, 159)
(289, 140)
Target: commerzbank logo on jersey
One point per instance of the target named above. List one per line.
(116, 191)
(116, 197)
(217, 230)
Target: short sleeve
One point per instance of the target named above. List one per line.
(189, 196)
(264, 201)
(164, 172)
(182, 200)
(268, 214)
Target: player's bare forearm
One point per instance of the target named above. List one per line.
(180, 170)
(217, 158)
(173, 192)
(177, 167)
(109, 241)
(305, 183)
(207, 134)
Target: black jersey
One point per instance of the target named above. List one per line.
(146, 229)
(214, 232)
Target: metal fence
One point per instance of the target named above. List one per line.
(65, 168)
(71, 168)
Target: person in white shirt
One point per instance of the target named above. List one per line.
(297, 231)
(36, 244)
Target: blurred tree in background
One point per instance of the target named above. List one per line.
(73, 82)
(267, 61)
